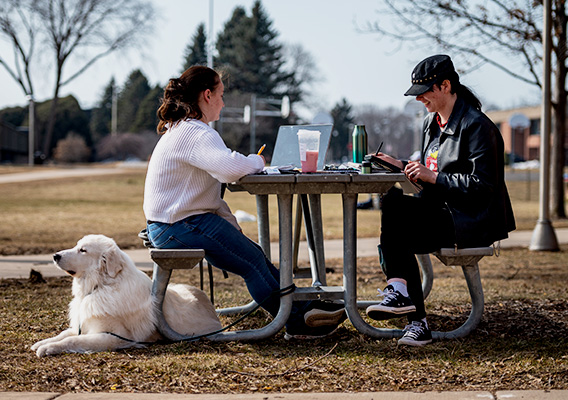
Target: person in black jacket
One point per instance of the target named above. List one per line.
(463, 202)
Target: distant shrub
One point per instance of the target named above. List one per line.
(126, 145)
(72, 149)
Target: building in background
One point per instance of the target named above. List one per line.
(520, 128)
(13, 144)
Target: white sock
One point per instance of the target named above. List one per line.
(400, 287)
(425, 323)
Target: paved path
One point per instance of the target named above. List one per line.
(57, 172)
(20, 266)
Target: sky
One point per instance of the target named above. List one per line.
(361, 67)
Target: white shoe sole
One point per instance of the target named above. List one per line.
(379, 313)
(416, 343)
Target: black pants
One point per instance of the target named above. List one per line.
(410, 226)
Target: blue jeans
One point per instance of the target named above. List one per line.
(228, 249)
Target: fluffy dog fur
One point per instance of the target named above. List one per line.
(111, 295)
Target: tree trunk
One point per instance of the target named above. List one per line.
(557, 152)
(47, 145)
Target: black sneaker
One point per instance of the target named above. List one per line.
(394, 305)
(300, 331)
(325, 313)
(416, 334)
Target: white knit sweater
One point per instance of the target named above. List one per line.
(186, 170)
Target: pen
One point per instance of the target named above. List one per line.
(261, 149)
(379, 149)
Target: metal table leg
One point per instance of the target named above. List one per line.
(317, 229)
(350, 271)
(427, 273)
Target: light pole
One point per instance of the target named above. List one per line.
(544, 237)
(251, 113)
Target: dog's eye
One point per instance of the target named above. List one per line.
(82, 250)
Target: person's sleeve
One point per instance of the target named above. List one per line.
(212, 155)
(482, 158)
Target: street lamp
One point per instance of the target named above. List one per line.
(251, 113)
(544, 237)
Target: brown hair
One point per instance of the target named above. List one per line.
(181, 95)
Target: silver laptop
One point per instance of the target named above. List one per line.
(286, 150)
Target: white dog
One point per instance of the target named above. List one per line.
(113, 297)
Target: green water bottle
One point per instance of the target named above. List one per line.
(359, 143)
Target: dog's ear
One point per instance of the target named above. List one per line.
(113, 261)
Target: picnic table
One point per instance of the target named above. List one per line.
(311, 187)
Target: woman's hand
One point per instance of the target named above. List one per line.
(416, 171)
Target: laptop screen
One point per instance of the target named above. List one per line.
(287, 151)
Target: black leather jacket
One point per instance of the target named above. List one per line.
(470, 182)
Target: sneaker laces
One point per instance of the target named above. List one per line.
(414, 329)
(388, 294)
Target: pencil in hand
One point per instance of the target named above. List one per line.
(261, 149)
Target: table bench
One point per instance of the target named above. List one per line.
(468, 259)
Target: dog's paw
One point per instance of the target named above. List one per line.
(36, 345)
(47, 350)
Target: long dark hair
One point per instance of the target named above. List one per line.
(181, 95)
(462, 91)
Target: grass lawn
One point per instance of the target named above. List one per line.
(521, 343)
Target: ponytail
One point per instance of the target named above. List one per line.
(181, 95)
(463, 92)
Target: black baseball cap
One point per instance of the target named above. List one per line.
(428, 72)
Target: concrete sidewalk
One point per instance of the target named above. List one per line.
(477, 395)
(20, 266)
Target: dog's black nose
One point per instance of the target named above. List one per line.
(56, 257)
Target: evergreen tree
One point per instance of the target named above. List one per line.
(249, 51)
(131, 96)
(146, 117)
(234, 45)
(196, 52)
(340, 142)
(267, 55)
(102, 114)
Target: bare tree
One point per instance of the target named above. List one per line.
(19, 26)
(86, 29)
(504, 34)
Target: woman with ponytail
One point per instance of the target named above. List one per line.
(183, 204)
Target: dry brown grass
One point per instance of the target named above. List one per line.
(521, 343)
